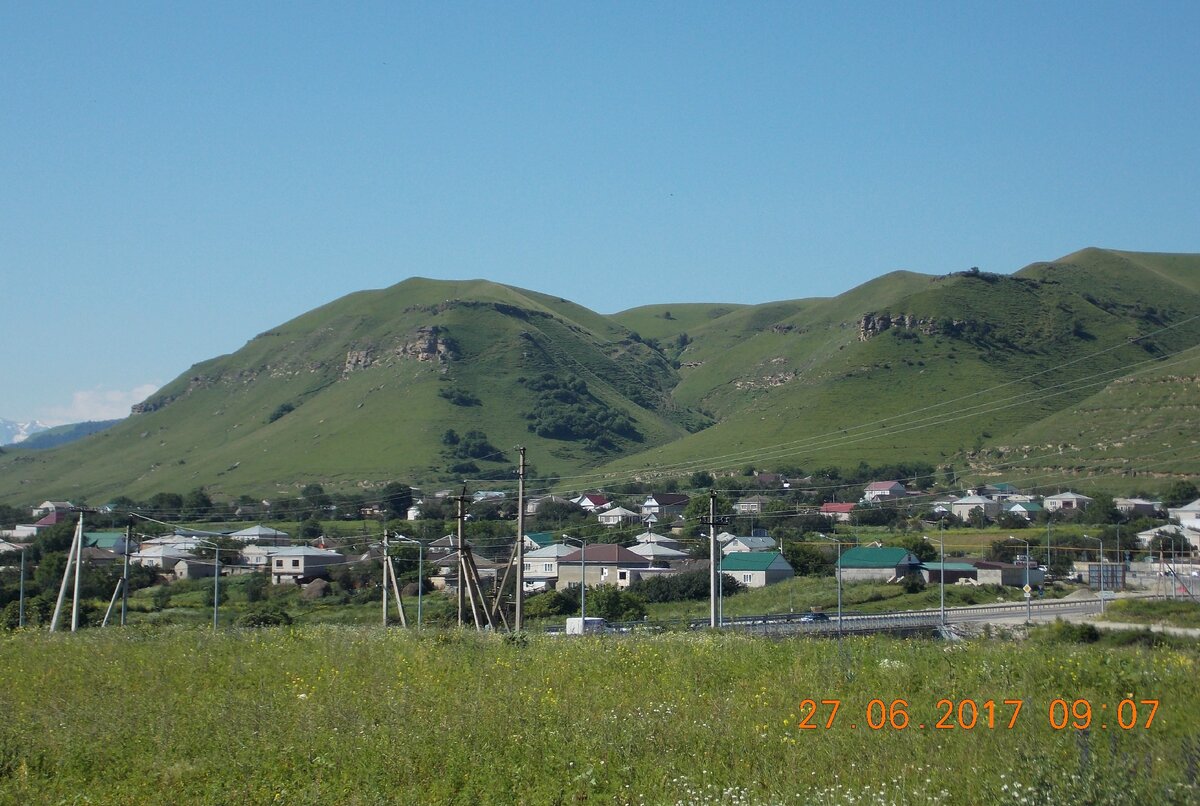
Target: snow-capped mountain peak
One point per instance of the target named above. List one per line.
(13, 432)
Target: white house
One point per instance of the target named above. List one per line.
(592, 502)
(963, 507)
(258, 558)
(733, 544)
(664, 504)
(752, 505)
(884, 491)
(262, 535)
(1187, 515)
(618, 516)
(161, 555)
(757, 569)
(541, 565)
(658, 552)
(297, 564)
(1024, 509)
(1066, 501)
(658, 540)
(46, 507)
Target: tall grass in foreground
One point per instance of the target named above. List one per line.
(353, 716)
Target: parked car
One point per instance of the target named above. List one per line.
(810, 618)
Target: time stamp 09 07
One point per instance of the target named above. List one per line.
(970, 714)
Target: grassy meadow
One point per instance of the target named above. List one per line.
(327, 714)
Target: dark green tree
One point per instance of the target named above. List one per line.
(1180, 493)
(197, 505)
(807, 559)
(613, 604)
(167, 506)
(396, 499)
(310, 528)
(924, 550)
(315, 495)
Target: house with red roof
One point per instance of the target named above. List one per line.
(592, 502)
(664, 504)
(837, 512)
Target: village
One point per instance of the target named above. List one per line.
(634, 540)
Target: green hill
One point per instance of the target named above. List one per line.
(964, 369)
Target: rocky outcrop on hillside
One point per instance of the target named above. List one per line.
(872, 324)
(427, 344)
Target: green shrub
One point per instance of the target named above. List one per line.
(264, 616)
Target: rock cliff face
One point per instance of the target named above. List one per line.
(872, 324)
(427, 344)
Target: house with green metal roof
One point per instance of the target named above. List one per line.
(538, 540)
(757, 569)
(109, 541)
(878, 563)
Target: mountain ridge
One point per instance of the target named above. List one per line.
(378, 385)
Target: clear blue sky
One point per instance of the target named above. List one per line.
(177, 177)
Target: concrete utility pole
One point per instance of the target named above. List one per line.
(78, 563)
(21, 595)
(72, 555)
(518, 620)
(385, 577)
(462, 563)
(714, 574)
(125, 576)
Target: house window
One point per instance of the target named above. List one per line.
(528, 566)
(746, 578)
(295, 563)
(279, 563)
(547, 566)
(623, 575)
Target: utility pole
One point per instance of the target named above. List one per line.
(390, 571)
(72, 556)
(462, 563)
(714, 578)
(518, 620)
(385, 577)
(78, 563)
(125, 576)
(21, 595)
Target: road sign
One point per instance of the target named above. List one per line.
(1027, 590)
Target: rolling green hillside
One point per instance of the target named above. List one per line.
(969, 369)
(364, 389)
(912, 367)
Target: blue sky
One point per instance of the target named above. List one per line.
(177, 178)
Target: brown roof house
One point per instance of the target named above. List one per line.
(606, 564)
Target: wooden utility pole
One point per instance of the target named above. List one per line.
(519, 617)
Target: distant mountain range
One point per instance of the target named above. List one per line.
(12, 432)
(39, 436)
(1085, 366)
